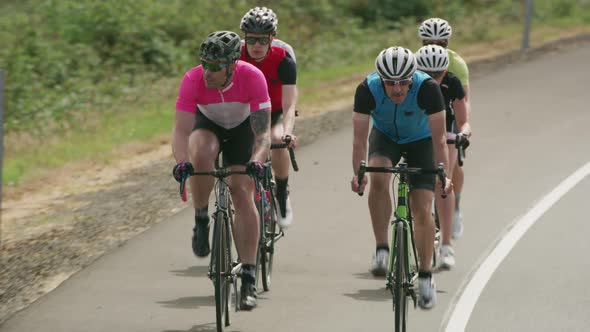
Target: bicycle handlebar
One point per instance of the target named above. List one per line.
(224, 172)
(361, 175)
(460, 146)
(291, 151)
(439, 171)
(218, 173)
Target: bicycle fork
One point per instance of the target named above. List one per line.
(401, 227)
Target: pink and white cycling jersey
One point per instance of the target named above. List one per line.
(228, 107)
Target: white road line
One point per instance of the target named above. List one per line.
(465, 304)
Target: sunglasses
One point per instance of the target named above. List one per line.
(443, 43)
(214, 67)
(435, 74)
(405, 82)
(262, 40)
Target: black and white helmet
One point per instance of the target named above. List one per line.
(432, 58)
(221, 46)
(396, 63)
(435, 29)
(260, 20)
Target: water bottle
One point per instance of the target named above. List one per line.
(266, 205)
(265, 196)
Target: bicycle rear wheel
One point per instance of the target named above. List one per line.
(222, 269)
(400, 295)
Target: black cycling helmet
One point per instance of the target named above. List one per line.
(260, 20)
(221, 46)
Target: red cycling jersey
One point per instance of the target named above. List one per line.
(270, 68)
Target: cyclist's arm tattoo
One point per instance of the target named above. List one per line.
(260, 122)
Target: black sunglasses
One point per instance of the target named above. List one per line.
(214, 67)
(262, 40)
(435, 74)
(404, 82)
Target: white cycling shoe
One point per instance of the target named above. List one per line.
(426, 293)
(379, 263)
(457, 225)
(447, 257)
(285, 220)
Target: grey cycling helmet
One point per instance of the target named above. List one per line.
(396, 63)
(432, 58)
(221, 46)
(435, 29)
(260, 20)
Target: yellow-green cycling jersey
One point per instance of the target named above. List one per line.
(458, 67)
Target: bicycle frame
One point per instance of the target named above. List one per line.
(403, 215)
(268, 211)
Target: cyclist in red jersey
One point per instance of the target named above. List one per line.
(259, 25)
(223, 105)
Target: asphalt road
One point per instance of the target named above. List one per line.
(530, 133)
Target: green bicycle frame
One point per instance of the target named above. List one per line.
(402, 214)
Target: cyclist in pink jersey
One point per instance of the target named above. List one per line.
(259, 25)
(223, 105)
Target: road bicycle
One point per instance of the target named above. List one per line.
(223, 269)
(224, 265)
(268, 211)
(460, 145)
(403, 260)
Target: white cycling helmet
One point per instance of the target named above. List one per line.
(435, 29)
(432, 58)
(396, 63)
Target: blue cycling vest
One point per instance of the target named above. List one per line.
(402, 123)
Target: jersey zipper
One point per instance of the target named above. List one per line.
(395, 123)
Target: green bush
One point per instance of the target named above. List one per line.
(68, 57)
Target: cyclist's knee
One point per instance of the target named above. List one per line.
(242, 197)
(379, 187)
(421, 204)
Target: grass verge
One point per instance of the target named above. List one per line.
(143, 122)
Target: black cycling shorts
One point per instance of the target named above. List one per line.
(237, 143)
(419, 154)
(275, 117)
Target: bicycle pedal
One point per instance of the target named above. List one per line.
(414, 297)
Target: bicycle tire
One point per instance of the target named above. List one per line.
(260, 209)
(267, 254)
(222, 269)
(400, 297)
(229, 263)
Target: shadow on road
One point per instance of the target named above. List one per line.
(192, 302)
(192, 271)
(204, 328)
(374, 295)
(368, 276)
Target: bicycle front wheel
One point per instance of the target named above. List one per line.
(400, 294)
(221, 253)
(271, 232)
